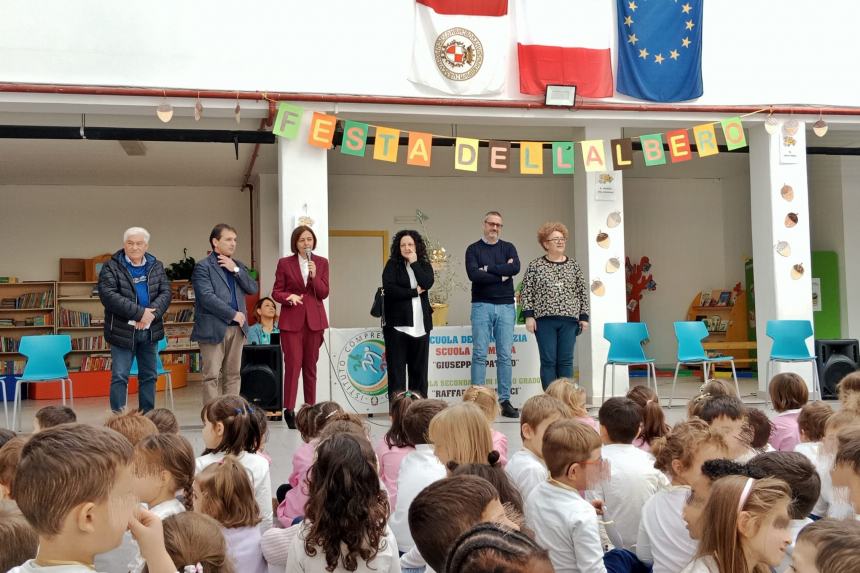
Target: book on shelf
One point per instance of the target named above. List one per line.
(95, 362)
(9, 344)
(184, 315)
(41, 299)
(12, 367)
(8, 280)
(75, 318)
(724, 325)
(90, 343)
(705, 299)
(725, 297)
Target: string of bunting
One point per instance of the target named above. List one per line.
(531, 161)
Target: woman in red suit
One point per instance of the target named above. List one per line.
(301, 284)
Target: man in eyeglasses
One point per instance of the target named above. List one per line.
(491, 264)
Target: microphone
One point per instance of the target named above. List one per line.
(308, 253)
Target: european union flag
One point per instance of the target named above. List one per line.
(660, 49)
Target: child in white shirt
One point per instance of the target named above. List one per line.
(828, 545)
(811, 424)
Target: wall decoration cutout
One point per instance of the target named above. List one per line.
(797, 271)
(783, 248)
(791, 220)
(598, 288)
(787, 192)
(790, 127)
(613, 219)
(603, 240)
(612, 265)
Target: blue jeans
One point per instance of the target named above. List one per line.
(147, 372)
(493, 322)
(556, 338)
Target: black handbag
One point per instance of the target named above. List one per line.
(378, 307)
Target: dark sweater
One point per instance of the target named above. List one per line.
(488, 286)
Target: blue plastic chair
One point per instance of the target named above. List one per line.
(691, 352)
(625, 349)
(160, 371)
(46, 362)
(789, 345)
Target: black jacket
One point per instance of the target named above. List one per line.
(399, 294)
(119, 297)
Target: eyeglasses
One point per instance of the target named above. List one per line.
(557, 240)
(491, 224)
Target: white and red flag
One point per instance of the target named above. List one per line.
(461, 46)
(565, 42)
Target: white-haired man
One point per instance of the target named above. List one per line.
(135, 292)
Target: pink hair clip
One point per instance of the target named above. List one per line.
(198, 568)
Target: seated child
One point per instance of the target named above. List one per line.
(760, 426)
(568, 392)
(223, 491)
(634, 479)
(563, 522)
(5, 436)
(164, 419)
(191, 538)
(663, 536)
(231, 428)
(461, 434)
(51, 416)
(811, 423)
(846, 466)
(713, 388)
(446, 509)
(837, 502)
(728, 415)
(509, 495)
(827, 546)
(10, 457)
(526, 468)
(849, 392)
(394, 445)
(654, 424)
(788, 394)
(19, 539)
(485, 398)
(131, 424)
(490, 548)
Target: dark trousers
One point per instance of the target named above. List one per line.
(406, 353)
(145, 351)
(301, 352)
(556, 338)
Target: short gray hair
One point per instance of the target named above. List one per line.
(132, 231)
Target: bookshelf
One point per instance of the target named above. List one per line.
(25, 309)
(725, 315)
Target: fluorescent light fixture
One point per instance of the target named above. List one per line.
(560, 96)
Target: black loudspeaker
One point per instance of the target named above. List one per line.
(263, 376)
(836, 358)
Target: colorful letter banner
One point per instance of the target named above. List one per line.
(706, 140)
(322, 130)
(354, 138)
(420, 148)
(466, 154)
(531, 157)
(563, 153)
(652, 149)
(386, 144)
(287, 121)
(733, 129)
(499, 156)
(593, 155)
(622, 154)
(679, 145)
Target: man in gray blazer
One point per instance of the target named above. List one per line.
(220, 324)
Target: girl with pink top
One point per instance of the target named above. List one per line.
(395, 445)
(569, 392)
(788, 394)
(485, 398)
(654, 424)
(310, 420)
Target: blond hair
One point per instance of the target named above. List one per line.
(485, 398)
(683, 443)
(567, 442)
(131, 424)
(539, 408)
(713, 388)
(568, 392)
(849, 392)
(227, 495)
(461, 434)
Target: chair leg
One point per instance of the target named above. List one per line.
(612, 390)
(63, 390)
(674, 382)
(5, 404)
(654, 370)
(816, 383)
(603, 392)
(704, 372)
(71, 391)
(735, 376)
(168, 386)
(16, 406)
(767, 377)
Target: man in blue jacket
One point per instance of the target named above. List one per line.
(135, 292)
(220, 324)
(491, 264)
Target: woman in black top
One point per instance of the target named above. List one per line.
(405, 281)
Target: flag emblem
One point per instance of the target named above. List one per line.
(459, 54)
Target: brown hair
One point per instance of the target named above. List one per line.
(131, 424)
(259, 305)
(227, 495)
(10, 457)
(165, 420)
(622, 418)
(493, 472)
(20, 541)
(310, 420)
(729, 406)
(485, 398)
(848, 452)
(294, 238)
(5, 436)
(713, 388)
(242, 431)
(218, 230)
(51, 416)
(683, 444)
(548, 229)
(812, 420)
(567, 442)
(760, 426)
(171, 453)
(491, 547)
(835, 544)
(722, 540)
(568, 392)
(849, 392)
(416, 423)
(797, 471)
(461, 434)
(396, 437)
(540, 407)
(192, 538)
(444, 510)
(654, 424)
(344, 422)
(787, 391)
(48, 486)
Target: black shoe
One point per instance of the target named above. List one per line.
(290, 419)
(508, 411)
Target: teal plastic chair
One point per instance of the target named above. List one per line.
(625, 349)
(46, 362)
(789, 345)
(691, 352)
(161, 371)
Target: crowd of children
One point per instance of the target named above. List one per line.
(724, 491)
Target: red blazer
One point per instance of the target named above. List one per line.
(288, 280)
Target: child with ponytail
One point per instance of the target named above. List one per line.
(395, 444)
(485, 398)
(654, 424)
(568, 392)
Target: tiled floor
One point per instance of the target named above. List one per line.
(283, 441)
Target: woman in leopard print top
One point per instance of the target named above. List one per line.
(555, 303)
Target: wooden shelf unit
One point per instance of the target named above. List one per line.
(734, 340)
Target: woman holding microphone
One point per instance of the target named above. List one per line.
(301, 286)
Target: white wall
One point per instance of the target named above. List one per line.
(41, 224)
(264, 46)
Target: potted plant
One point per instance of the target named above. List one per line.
(446, 278)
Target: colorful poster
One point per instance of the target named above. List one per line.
(287, 121)
(622, 153)
(562, 157)
(531, 157)
(789, 152)
(499, 156)
(652, 149)
(706, 140)
(354, 138)
(466, 154)
(387, 144)
(420, 148)
(322, 130)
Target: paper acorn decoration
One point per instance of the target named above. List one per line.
(787, 192)
(612, 265)
(790, 127)
(613, 219)
(783, 248)
(598, 288)
(797, 271)
(603, 240)
(791, 220)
